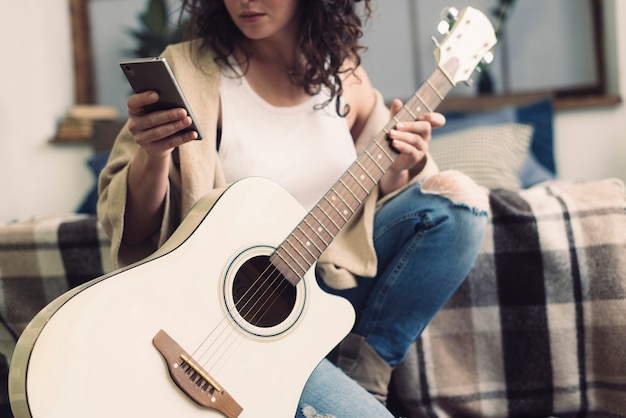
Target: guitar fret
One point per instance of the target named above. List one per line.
(366, 171)
(339, 200)
(336, 209)
(322, 224)
(344, 201)
(357, 181)
(312, 241)
(303, 250)
(295, 259)
(410, 113)
(383, 158)
(371, 157)
(434, 89)
(350, 190)
(362, 180)
(379, 145)
(423, 103)
(317, 232)
(306, 245)
(289, 266)
(330, 218)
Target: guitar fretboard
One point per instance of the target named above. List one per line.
(303, 247)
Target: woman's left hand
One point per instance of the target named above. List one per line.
(411, 140)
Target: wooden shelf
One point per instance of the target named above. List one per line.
(490, 102)
(567, 103)
(101, 139)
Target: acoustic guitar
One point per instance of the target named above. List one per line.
(226, 318)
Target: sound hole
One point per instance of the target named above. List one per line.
(262, 295)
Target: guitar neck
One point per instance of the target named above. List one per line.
(303, 247)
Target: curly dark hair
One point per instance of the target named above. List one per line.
(329, 38)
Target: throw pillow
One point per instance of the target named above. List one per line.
(541, 116)
(540, 165)
(492, 155)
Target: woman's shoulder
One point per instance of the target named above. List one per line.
(360, 95)
(181, 49)
(190, 54)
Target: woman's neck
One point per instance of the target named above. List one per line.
(277, 65)
(281, 54)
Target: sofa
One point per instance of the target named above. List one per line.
(538, 328)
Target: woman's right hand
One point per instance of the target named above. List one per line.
(159, 132)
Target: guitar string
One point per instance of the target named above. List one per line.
(245, 306)
(264, 285)
(260, 281)
(274, 277)
(269, 284)
(246, 294)
(229, 345)
(236, 342)
(271, 298)
(266, 280)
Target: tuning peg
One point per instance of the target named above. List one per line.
(443, 27)
(449, 14)
(487, 58)
(448, 17)
(435, 41)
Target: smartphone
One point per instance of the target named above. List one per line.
(155, 74)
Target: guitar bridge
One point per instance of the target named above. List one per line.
(193, 380)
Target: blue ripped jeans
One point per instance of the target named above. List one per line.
(426, 244)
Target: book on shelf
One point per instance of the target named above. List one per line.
(74, 130)
(92, 112)
(78, 123)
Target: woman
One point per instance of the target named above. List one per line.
(279, 92)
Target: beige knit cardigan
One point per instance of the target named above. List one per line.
(195, 171)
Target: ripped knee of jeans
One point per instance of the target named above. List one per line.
(457, 187)
(310, 412)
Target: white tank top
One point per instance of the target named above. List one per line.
(302, 149)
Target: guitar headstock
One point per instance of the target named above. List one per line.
(468, 42)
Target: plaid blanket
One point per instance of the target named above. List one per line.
(537, 329)
(40, 259)
(539, 326)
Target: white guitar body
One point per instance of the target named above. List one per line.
(95, 356)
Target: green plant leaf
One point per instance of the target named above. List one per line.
(156, 15)
(155, 31)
